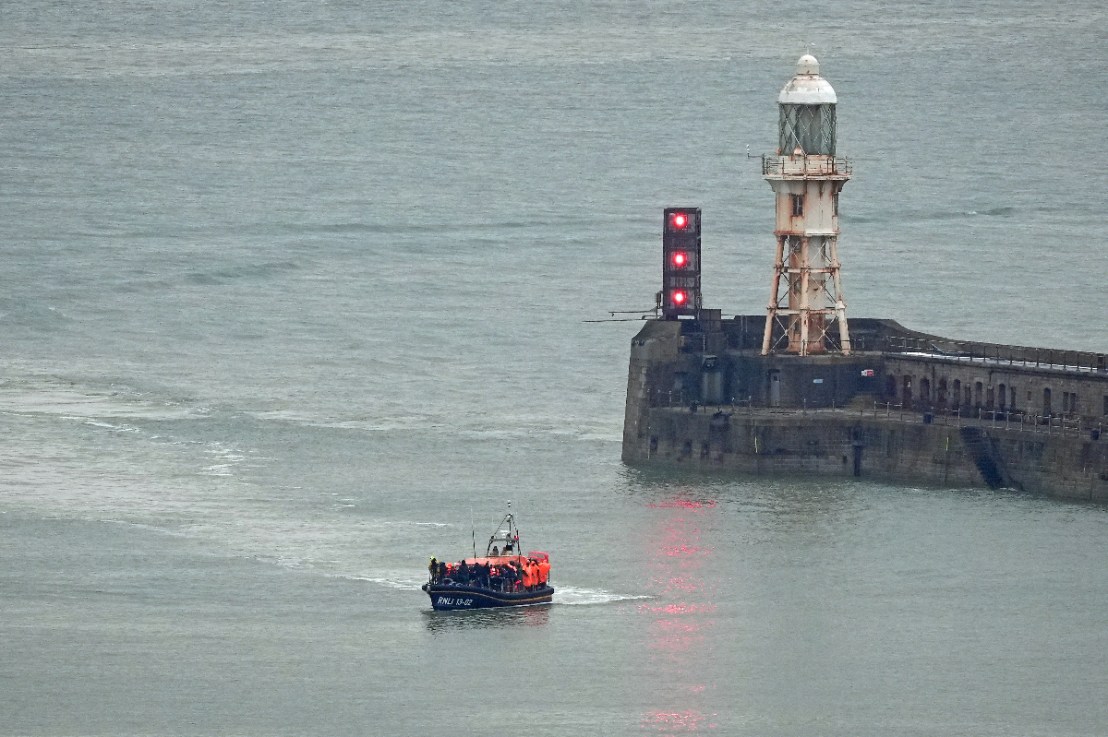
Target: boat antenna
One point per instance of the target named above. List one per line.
(473, 531)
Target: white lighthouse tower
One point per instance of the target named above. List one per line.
(807, 314)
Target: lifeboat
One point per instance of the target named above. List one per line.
(502, 577)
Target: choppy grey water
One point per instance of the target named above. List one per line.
(290, 292)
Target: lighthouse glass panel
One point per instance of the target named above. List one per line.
(811, 128)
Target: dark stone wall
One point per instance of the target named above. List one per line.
(699, 394)
(899, 448)
(792, 381)
(978, 388)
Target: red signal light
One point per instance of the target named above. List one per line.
(680, 259)
(679, 220)
(679, 298)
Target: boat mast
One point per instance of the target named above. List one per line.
(504, 532)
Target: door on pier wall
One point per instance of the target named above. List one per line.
(773, 376)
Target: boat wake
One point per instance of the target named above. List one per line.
(575, 596)
(401, 582)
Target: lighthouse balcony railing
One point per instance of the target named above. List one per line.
(805, 166)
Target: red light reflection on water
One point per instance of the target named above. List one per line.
(683, 549)
(680, 618)
(683, 504)
(679, 608)
(683, 583)
(674, 637)
(675, 722)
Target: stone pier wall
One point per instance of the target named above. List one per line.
(699, 395)
(876, 446)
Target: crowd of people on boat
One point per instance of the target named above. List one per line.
(515, 574)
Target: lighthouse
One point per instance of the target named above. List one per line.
(807, 313)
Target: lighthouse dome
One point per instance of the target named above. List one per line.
(807, 87)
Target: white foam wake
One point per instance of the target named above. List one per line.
(400, 581)
(575, 596)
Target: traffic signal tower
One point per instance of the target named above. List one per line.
(680, 295)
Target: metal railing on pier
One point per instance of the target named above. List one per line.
(980, 417)
(1060, 424)
(997, 355)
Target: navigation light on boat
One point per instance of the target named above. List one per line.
(679, 297)
(679, 259)
(678, 220)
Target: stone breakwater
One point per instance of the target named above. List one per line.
(906, 407)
